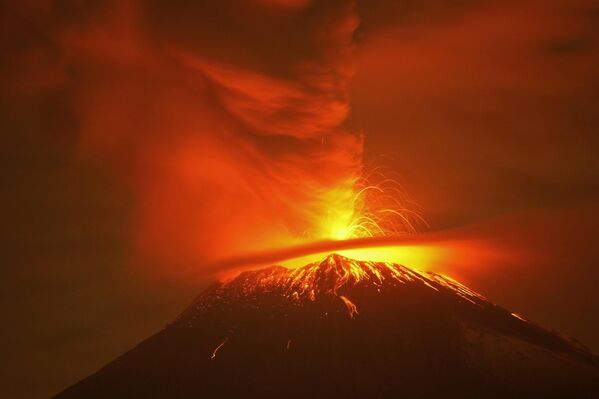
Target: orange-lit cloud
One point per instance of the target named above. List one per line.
(221, 155)
(224, 121)
(486, 107)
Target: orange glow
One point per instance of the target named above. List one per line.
(222, 155)
(421, 257)
(368, 207)
(448, 254)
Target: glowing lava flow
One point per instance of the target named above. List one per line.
(337, 272)
(215, 351)
(352, 309)
(335, 276)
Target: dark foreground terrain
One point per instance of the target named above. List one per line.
(341, 328)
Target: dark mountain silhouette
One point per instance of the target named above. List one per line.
(342, 328)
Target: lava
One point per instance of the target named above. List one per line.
(215, 351)
(335, 275)
(352, 309)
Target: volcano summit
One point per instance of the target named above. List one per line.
(346, 328)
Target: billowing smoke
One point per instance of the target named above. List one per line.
(228, 140)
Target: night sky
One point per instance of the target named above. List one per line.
(120, 121)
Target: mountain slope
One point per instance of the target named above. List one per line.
(346, 328)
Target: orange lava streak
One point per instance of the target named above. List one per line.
(333, 275)
(517, 316)
(218, 348)
(352, 309)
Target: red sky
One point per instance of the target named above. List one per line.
(145, 138)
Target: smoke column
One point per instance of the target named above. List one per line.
(227, 147)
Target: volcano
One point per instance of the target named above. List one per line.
(342, 328)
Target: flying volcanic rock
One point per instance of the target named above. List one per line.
(342, 328)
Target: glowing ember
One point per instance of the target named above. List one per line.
(352, 309)
(336, 273)
(517, 316)
(335, 276)
(215, 351)
(369, 207)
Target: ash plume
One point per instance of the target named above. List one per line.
(226, 143)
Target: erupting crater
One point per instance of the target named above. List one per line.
(346, 328)
(334, 277)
